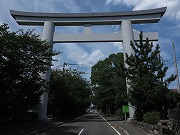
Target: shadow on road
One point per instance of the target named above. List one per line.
(93, 118)
(61, 130)
(89, 118)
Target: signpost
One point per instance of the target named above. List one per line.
(125, 109)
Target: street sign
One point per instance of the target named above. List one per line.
(125, 108)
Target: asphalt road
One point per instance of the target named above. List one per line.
(88, 124)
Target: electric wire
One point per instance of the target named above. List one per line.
(174, 62)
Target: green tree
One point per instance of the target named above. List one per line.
(22, 57)
(146, 72)
(69, 93)
(151, 117)
(173, 100)
(108, 81)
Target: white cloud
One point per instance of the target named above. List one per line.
(95, 56)
(94, 10)
(118, 45)
(34, 6)
(166, 56)
(82, 56)
(116, 28)
(127, 2)
(166, 48)
(173, 9)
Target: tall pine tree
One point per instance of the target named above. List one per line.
(146, 72)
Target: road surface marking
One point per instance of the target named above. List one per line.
(115, 130)
(81, 131)
(110, 125)
(122, 129)
(105, 120)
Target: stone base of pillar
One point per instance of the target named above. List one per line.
(131, 111)
(42, 107)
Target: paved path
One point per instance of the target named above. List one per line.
(88, 124)
(95, 124)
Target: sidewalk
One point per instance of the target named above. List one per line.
(125, 128)
(131, 129)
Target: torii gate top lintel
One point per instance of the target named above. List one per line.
(78, 19)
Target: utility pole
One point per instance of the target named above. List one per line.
(176, 68)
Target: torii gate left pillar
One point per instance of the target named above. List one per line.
(48, 33)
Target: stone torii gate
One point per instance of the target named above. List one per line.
(125, 19)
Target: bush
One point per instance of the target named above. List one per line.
(151, 117)
(119, 112)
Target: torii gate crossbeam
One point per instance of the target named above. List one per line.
(125, 19)
(102, 37)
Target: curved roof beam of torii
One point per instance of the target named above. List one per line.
(79, 19)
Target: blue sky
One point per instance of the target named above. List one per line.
(89, 53)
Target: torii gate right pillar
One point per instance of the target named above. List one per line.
(127, 36)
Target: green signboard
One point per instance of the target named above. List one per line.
(125, 108)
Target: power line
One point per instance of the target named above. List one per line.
(174, 62)
(65, 64)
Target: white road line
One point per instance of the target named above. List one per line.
(115, 130)
(110, 125)
(122, 129)
(81, 131)
(105, 120)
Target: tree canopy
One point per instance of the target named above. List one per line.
(69, 93)
(109, 83)
(22, 57)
